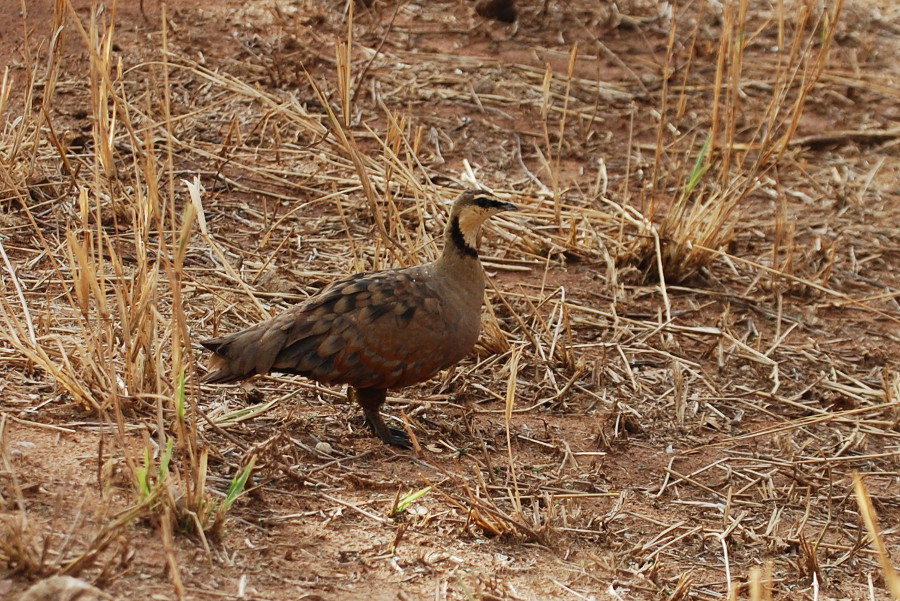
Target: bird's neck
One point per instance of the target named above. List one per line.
(459, 265)
(460, 238)
(460, 254)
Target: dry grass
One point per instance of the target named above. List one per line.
(668, 304)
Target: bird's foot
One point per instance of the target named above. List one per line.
(388, 435)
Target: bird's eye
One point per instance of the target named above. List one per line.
(487, 203)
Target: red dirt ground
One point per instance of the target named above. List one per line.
(630, 496)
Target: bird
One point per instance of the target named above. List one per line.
(498, 10)
(375, 330)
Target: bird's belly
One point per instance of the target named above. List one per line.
(428, 359)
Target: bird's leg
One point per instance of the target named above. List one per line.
(371, 400)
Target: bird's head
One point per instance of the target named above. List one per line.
(469, 211)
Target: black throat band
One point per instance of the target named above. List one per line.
(457, 239)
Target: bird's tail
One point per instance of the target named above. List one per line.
(228, 362)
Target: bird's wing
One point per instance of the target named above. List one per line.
(377, 330)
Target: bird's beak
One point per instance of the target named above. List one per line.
(508, 206)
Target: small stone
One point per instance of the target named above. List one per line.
(63, 588)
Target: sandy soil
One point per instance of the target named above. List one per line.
(664, 442)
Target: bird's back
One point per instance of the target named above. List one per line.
(380, 329)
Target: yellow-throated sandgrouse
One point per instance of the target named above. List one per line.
(376, 330)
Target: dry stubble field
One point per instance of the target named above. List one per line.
(690, 342)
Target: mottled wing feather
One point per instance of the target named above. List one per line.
(385, 329)
(376, 330)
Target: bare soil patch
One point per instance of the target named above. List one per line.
(667, 438)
